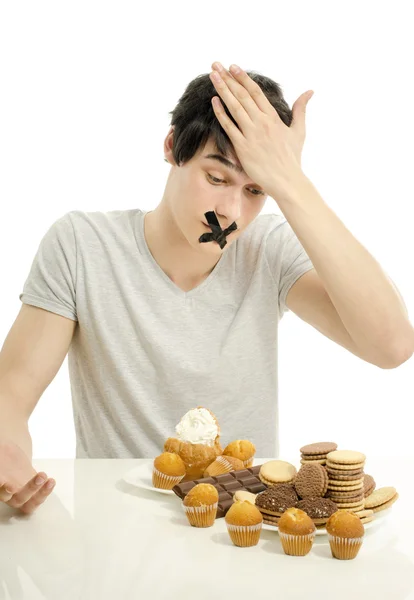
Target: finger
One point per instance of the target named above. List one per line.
(239, 92)
(254, 90)
(6, 492)
(27, 491)
(236, 110)
(38, 498)
(229, 127)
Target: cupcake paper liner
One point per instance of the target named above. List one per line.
(296, 545)
(219, 467)
(344, 548)
(164, 482)
(248, 463)
(201, 516)
(244, 535)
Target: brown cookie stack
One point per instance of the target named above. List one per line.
(317, 453)
(346, 488)
(311, 484)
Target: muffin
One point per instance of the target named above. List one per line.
(223, 464)
(297, 532)
(168, 471)
(345, 533)
(243, 450)
(200, 505)
(244, 524)
(197, 441)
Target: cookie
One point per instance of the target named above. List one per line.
(277, 471)
(319, 448)
(320, 461)
(343, 467)
(349, 487)
(311, 480)
(344, 473)
(276, 499)
(318, 509)
(358, 495)
(369, 485)
(242, 495)
(380, 496)
(351, 505)
(346, 457)
(365, 513)
(386, 505)
(313, 456)
(367, 519)
(270, 483)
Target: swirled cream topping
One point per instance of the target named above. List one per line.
(197, 426)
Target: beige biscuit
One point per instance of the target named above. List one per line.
(380, 496)
(354, 505)
(278, 471)
(345, 498)
(346, 457)
(386, 504)
(242, 495)
(343, 483)
(366, 520)
(338, 477)
(351, 508)
(313, 456)
(319, 461)
(271, 483)
(364, 513)
(345, 488)
(343, 467)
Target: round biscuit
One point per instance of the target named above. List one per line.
(365, 520)
(346, 485)
(346, 457)
(365, 513)
(242, 495)
(319, 448)
(278, 471)
(345, 473)
(380, 496)
(313, 456)
(349, 505)
(320, 461)
(386, 505)
(344, 467)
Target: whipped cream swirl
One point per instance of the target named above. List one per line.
(197, 426)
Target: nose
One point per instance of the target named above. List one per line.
(229, 211)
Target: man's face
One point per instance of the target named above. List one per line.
(205, 184)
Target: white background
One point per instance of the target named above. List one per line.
(86, 91)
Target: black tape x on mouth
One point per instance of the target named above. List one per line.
(218, 234)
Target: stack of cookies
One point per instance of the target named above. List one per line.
(316, 453)
(346, 486)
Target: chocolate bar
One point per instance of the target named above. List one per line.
(226, 485)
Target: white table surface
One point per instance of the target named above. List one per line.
(98, 537)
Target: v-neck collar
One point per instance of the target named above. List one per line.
(142, 242)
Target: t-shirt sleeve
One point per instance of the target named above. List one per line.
(51, 283)
(287, 260)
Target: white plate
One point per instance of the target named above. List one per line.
(141, 477)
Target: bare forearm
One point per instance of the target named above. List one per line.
(367, 302)
(13, 425)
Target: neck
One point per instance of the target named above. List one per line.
(171, 250)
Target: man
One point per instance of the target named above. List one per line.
(179, 306)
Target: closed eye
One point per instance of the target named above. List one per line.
(217, 181)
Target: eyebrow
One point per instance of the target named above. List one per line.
(225, 161)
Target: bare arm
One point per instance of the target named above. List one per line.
(29, 360)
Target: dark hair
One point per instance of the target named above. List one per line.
(195, 122)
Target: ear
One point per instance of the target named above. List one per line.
(168, 146)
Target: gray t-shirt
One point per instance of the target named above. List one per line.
(144, 351)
